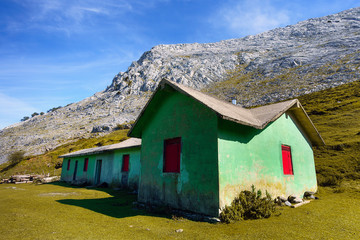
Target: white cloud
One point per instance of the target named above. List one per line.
(66, 16)
(74, 16)
(250, 16)
(13, 109)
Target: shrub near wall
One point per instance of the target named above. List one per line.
(248, 205)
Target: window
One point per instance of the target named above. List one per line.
(172, 151)
(86, 163)
(68, 166)
(287, 161)
(125, 163)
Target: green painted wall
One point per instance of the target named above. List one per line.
(168, 115)
(131, 178)
(110, 170)
(250, 156)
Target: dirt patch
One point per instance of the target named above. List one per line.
(55, 194)
(15, 188)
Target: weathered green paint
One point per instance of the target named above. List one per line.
(248, 156)
(219, 158)
(171, 114)
(110, 171)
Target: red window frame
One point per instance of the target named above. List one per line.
(125, 163)
(287, 160)
(86, 163)
(172, 153)
(68, 165)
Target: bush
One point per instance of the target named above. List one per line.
(53, 109)
(24, 118)
(58, 165)
(329, 180)
(248, 205)
(126, 125)
(329, 176)
(16, 157)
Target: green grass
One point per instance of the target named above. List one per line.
(336, 113)
(62, 212)
(59, 211)
(45, 163)
(254, 84)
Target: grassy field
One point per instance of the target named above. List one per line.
(45, 163)
(56, 211)
(336, 114)
(59, 211)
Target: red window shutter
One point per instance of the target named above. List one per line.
(172, 153)
(287, 161)
(125, 164)
(86, 163)
(68, 166)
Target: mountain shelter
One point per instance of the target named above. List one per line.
(199, 152)
(117, 164)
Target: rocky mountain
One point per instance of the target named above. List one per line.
(279, 64)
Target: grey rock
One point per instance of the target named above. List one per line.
(308, 193)
(301, 51)
(97, 129)
(291, 198)
(282, 198)
(297, 200)
(179, 230)
(211, 219)
(287, 203)
(294, 199)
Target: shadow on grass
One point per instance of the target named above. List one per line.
(120, 205)
(10, 166)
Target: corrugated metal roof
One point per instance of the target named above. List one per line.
(258, 117)
(129, 143)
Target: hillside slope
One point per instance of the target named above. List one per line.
(282, 63)
(335, 113)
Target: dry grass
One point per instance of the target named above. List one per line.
(45, 163)
(58, 211)
(336, 113)
(63, 212)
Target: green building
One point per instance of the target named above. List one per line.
(199, 152)
(117, 164)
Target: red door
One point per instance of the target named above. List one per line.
(125, 165)
(172, 153)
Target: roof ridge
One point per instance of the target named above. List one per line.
(257, 118)
(231, 112)
(130, 142)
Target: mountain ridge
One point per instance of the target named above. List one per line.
(282, 63)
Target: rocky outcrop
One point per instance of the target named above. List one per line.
(317, 53)
(275, 65)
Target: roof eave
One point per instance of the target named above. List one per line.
(310, 128)
(291, 105)
(96, 152)
(132, 132)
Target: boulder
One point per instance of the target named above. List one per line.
(308, 193)
(294, 199)
(282, 198)
(102, 128)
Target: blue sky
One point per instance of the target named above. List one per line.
(55, 52)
